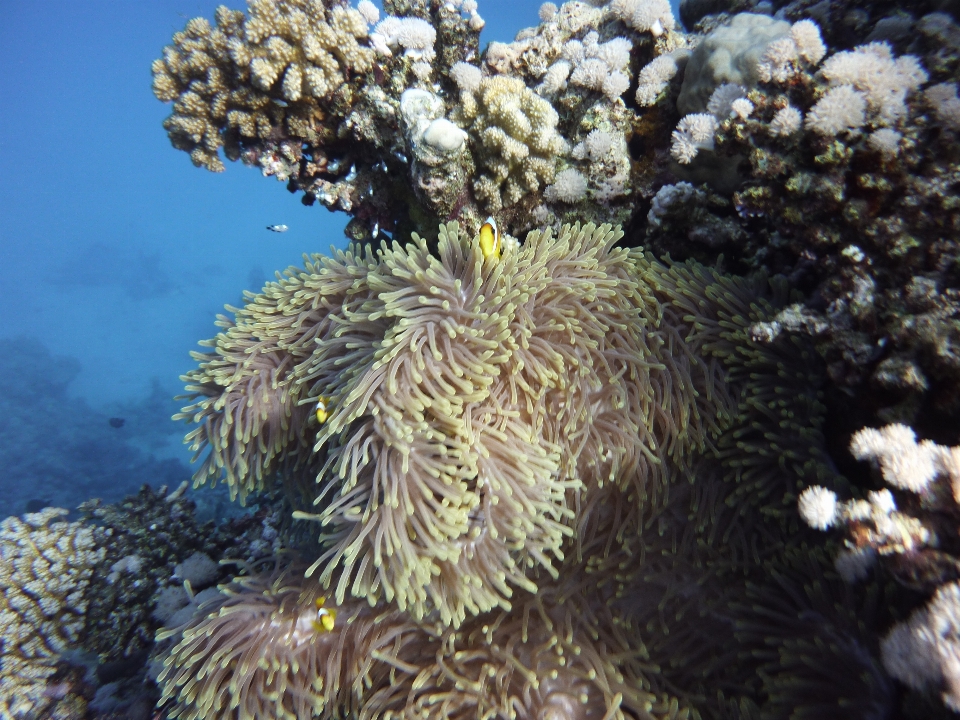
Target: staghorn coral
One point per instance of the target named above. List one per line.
(47, 564)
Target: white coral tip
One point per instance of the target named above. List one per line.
(818, 507)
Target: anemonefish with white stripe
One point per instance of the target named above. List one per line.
(490, 244)
(323, 409)
(326, 617)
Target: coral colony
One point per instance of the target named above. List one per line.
(636, 394)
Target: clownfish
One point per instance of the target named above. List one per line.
(326, 617)
(324, 406)
(490, 239)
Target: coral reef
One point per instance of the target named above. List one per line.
(313, 94)
(81, 601)
(566, 477)
(836, 179)
(828, 154)
(516, 139)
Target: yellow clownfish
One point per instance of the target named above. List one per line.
(490, 239)
(326, 618)
(324, 406)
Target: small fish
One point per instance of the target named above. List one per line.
(490, 239)
(326, 618)
(277, 228)
(116, 422)
(324, 406)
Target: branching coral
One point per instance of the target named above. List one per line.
(312, 95)
(255, 78)
(305, 92)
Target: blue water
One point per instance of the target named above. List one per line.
(116, 253)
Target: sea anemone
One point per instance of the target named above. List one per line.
(581, 422)
(259, 652)
(472, 407)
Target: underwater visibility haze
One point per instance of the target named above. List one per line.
(591, 361)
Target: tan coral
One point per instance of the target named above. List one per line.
(45, 566)
(196, 73)
(516, 138)
(301, 48)
(256, 78)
